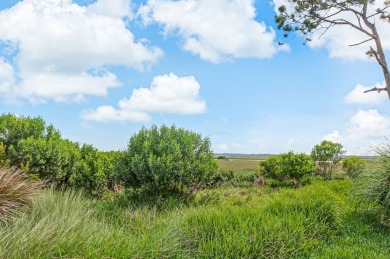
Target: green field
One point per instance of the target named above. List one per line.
(239, 163)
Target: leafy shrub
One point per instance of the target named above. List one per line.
(167, 161)
(95, 171)
(4, 161)
(326, 156)
(53, 160)
(287, 168)
(354, 166)
(14, 128)
(15, 191)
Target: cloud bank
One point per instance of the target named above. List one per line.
(167, 94)
(62, 51)
(215, 30)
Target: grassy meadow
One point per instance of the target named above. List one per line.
(240, 164)
(320, 220)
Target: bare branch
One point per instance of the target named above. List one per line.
(353, 45)
(378, 12)
(378, 89)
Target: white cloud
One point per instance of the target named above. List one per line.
(365, 128)
(338, 38)
(117, 8)
(7, 77)
(214, 30)
(368, 124)
(357, 95)
(334, 136)
(63, 48)
(167, 94)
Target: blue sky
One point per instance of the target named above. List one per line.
(99, 71)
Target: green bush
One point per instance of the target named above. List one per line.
(4, 161)
(326, 156)
(287, 167)
(14, 128)
(354, 166)
(167, 161)
(53, 160)
(95, 171)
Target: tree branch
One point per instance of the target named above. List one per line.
(353, 45)
(383, 65)
(378, 89)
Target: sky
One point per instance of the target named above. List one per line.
(101, 70)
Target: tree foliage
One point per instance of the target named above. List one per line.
(167, 161)
(326, 156)
(354, 166)
(287, 167)
(318, 16)
(14, 128)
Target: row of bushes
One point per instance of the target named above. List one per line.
(292, 168)
(161, 160)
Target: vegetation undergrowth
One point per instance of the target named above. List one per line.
(320, 220)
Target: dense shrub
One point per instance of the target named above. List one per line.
(167, 161)
(95, 171)
(15, 191)
(53, 160)
(354, 166)
(326, 156)
(4, 161)
(14, 128)
(287, 167)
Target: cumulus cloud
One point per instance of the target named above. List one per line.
(369, 124)
(364, 129)
(7, 77)
(63, 49)
(357, 95)
(334, 136)
(167, 94)
(338, 38)
(214, 30)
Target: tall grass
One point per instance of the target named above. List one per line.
(65, 224)
(15, 191)
(316, 221)
(319, 221)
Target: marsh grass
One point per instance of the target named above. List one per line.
(66, 224)
(318, 221)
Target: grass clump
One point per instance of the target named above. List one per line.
(16, 191)
(66, 224)
(373, 186)
(281, 224)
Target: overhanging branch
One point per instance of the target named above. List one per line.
(377, 89)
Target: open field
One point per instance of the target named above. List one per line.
(252, 163)
(240, 164)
